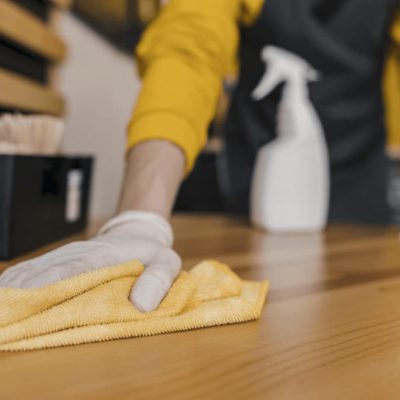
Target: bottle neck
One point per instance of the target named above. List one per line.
(296, 90)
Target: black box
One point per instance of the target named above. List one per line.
(42, 199)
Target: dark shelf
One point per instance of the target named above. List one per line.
(21, 61)
(39, 8)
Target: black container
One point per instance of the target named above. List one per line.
(36, 194)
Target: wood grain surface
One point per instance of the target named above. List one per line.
(23, 28)
(63, 3)
(17, 92)
(330, 328)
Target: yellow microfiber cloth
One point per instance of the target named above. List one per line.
(95, 306)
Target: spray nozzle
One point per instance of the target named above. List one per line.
(283, 67)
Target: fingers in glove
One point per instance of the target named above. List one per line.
(46, 269)
(11, 276)
(74, 259)
(155, 281)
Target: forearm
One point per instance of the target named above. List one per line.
(153, 174)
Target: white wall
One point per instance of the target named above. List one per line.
(100, 86)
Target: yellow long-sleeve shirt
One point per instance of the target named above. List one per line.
(392, 86)
(183, 58)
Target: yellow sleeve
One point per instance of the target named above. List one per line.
(183, 57)
(392, 87)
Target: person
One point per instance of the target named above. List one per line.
(183, 58)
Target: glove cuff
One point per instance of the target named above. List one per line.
(134, 218)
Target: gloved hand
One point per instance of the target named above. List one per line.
(133, 235)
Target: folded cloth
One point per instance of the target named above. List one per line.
(95, 306)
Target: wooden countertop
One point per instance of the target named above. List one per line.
(330, 329)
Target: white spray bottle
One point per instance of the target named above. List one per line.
(290, 186)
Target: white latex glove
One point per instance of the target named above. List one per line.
(132, 235)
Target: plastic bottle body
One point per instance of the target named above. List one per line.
(290, 188)
(291, 178)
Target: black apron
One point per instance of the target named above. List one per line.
(345, 41)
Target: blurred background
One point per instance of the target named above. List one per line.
(85, 72)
